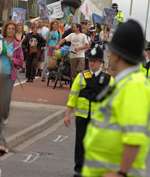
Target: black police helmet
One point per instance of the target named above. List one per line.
(115, 6)
(128, 42)
(96, 53)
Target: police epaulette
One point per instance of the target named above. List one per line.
(87, 74)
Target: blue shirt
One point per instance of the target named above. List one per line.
(6, 63)
(53, 38)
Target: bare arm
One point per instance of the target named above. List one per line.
(129, 155)
(61, 42)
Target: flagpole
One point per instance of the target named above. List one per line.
(147, 16)
(131, 7)
(28, 17)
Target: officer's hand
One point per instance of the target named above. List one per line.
(112, 174)
(67, 121)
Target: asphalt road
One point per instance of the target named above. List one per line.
(51, 156)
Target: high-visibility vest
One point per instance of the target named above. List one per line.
(83, 92)
(145, 68)
(121, 118)
(119, 17)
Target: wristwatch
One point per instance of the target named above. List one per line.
(123, 174)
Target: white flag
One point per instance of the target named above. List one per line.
(101, 4)
(94, 6)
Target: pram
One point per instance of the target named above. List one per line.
(60, 73)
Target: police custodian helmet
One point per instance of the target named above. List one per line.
(96, 53)
(128, 42)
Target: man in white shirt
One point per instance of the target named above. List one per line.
(79, 44)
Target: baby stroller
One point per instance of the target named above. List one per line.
(60, 72)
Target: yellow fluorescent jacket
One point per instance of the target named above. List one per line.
(122, 118)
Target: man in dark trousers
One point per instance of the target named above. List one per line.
(33, 45)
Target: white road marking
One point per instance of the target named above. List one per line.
(64, 138)
(60, 138)
(28, 158)
(32, 158)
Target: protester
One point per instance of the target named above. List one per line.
(11, 59)
(20, 36)
(33, 45)
(52, 41)
(104, 34)
(79, 44)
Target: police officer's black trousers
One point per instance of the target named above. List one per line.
(81, 126)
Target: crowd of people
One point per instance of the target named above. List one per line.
(100, 84)
(32, 50)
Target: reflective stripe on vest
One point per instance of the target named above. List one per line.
(83, 111)
(110, 166)
(75, 93)
(107, 109)
(81, 81)
(127, 128)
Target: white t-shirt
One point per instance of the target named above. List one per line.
(45, 32)
(77, 40)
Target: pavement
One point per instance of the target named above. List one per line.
(38, 92)
(35, 107)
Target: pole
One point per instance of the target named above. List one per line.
(28, 16)
(131, 7)
(147, 16)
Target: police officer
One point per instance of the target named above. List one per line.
(117, 142)
(147, 59)
(85, 87)
(119, 15)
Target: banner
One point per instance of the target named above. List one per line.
(109, 15)
(94, 6)
(55, 10)
(101, 4)
(88, 8)
(43, 11)
(97, 19)
(18, 15)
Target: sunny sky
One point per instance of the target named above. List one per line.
(138, 12)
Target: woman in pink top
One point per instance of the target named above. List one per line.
(11, 59)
